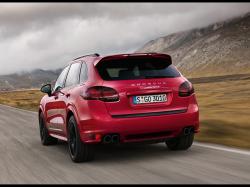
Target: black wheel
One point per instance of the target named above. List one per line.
(46, 139)
(79, 152)
(180, 143)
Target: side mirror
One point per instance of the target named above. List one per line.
(46, 89)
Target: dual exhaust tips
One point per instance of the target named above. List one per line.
(111, 139)
(188, 130)
(115, 138)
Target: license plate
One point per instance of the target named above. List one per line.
(142, 99)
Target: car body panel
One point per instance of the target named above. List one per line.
(121, 117)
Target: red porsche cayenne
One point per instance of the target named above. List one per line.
(125, 98)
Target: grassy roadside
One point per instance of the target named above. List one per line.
(25, 99)
(224, 110)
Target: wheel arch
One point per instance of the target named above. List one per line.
(69, 114)
(71, 111)
(40, 110)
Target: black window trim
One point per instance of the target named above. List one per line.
(64, 81)
(74, 85)
(63, 85)
(79, 75)
(86, 71)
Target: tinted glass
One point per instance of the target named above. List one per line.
(129, 69)
(73, 75)
(83, 75)
(61, 78)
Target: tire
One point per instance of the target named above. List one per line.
(181, 142)
(46, 139)
(79, 152)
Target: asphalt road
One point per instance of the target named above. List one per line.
(24, 160)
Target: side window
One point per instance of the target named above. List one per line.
(84, 73)
(61, 78)
(73, 75)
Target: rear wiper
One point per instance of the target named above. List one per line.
(151, 77)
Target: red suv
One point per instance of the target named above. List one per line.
(123, 98)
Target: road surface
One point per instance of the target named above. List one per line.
(24, 160)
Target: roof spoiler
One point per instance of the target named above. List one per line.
(136, 55)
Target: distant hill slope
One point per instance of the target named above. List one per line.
(218, 49)
(27, 80)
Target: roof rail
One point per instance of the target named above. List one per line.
(95, 54)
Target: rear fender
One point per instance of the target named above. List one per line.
(72, 108)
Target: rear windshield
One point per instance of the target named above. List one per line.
(131, 69)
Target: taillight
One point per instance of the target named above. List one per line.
(186, 89)
(101, 93)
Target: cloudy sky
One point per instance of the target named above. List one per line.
(48, 35)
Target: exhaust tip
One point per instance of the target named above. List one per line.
(191, 129)
(107, 139)
(115, 139)
(188, 130)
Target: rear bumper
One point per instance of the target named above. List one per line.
(139, 128)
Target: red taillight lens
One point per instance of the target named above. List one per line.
(186, 89)
(101, 93)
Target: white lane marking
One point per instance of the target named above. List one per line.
(23, 110)
(223, 148)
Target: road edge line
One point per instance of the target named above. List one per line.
(200, 144)
(23, 110)
(223, 148)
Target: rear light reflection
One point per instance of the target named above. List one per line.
(102, 93)
(186, 89)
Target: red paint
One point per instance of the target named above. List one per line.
(94, 117)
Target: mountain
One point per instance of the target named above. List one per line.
(219, 49)
(27, 80)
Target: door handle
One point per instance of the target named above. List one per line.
(67, 95)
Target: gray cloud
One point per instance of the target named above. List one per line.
(47, 35)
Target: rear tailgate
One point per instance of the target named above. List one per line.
(145, 85)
